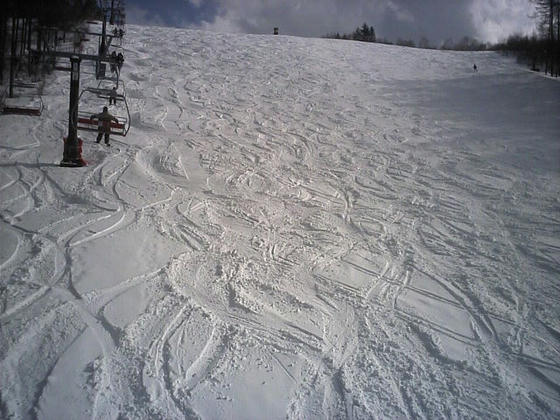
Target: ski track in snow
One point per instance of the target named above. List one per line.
(298, 227)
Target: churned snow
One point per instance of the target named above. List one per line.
(292, 228)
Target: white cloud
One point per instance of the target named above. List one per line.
(139, 16)
(435, 19)
(299, 17)
(224, 24)
(438, 20)
(494, 20)
(401, 13)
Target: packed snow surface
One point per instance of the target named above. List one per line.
(292, 228)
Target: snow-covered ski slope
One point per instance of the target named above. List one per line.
(293, 228)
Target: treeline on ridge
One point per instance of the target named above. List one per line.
(37, 24)
(541, 51)
(60, 13)
(362, 33)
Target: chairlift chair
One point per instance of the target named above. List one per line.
(61, 65)
(86, 123)
(32, 107)
(24, 103)
(101, 73)
(107, 94)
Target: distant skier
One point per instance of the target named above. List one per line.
(104, 124)
(475, 68)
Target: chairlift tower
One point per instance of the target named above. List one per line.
(72, 156)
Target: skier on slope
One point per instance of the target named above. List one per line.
(120, 60)
(113, 96)
(104, 124)
(113, 62)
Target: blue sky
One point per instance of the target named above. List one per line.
(178, 13)
(438, 20)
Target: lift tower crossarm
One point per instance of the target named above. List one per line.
(67, 54)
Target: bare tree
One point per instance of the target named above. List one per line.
(549, 11)
(424, 43)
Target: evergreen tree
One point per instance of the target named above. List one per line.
(364, 33)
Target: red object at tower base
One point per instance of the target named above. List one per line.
(72, 157)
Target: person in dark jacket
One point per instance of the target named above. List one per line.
(113, 62)
(120, 60)
(104, 124)
(113, 96)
